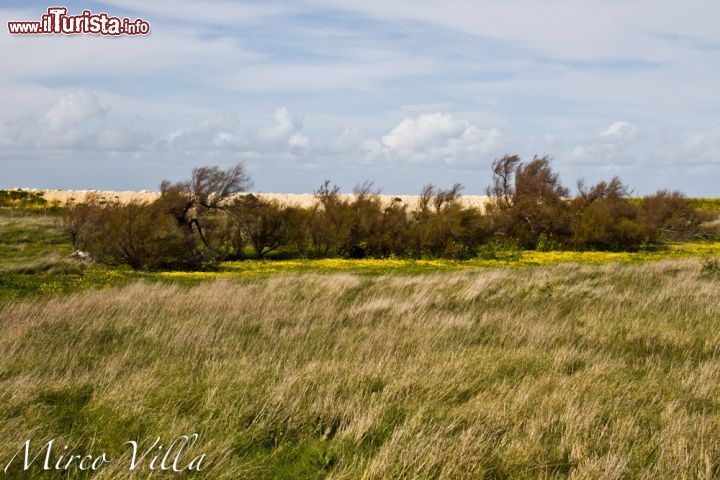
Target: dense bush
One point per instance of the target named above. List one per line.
(529, 202)
(265, 225)
(203, 220)
(606, 219)
(140, 235)
(669, 216)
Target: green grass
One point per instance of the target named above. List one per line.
(564, 371)
(35, 261)
(570, 365)
(24, 240)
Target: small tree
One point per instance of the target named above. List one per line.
(503, 187)
(393, 235)
(264, 224)
(529, 201)
(80, 221)
(298, 228)
(207, 193)
(440, 230)
(331, 221)
(366, 219)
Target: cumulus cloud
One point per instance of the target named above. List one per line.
(79, 121)
(437, 136)
(73, 120)
(426, 131)
(283, 134)
(76, 121)
(226, 132)
(75, 109)
(610, 147)
(221, 133)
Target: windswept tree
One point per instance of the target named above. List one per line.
(528, 200)
(503, 174)
(539, 202)
(206, 194)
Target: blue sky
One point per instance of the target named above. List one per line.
(403, 92)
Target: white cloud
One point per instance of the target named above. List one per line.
(76, 121)
(72, 120)
(618, 132)
(283, 134)
(79, 121)
(426, 131)
(437, 137)
(611, 147)
(75, 109)
(79, 125)
(222, 132)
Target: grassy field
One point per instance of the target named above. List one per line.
(586, 369)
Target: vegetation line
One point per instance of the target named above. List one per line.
(196, 224)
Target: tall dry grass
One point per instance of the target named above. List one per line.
(559, 372)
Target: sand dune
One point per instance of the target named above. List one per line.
(302, 200)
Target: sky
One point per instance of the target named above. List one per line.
(399, 92)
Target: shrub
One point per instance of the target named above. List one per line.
(605, 219)
(142, 236)
(204, 220)
(298, 229)
(710, 266)
(81, 221)
(669, 216)
(441, 227)
(263, 224)
(393, 234)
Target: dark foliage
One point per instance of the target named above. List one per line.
(207, 219)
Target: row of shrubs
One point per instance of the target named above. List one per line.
(207, 219)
